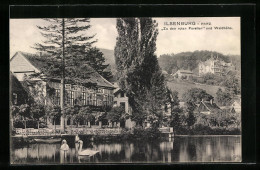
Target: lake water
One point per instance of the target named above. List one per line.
(177, 149)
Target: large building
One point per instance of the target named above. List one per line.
(215, 66)
(98, 94)
(121, 100)
(183, 74)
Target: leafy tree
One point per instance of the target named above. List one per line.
(79, 118)
(195, 96)
(115, 114)
(38, 112)
(232, 85)
(223, 98)
(90, 117)
(176, 111)
(65, 41)
(54, 113)
(138, 71)
(191, 119)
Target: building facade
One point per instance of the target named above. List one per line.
(183, 74)
(215, 66)
(47, 90)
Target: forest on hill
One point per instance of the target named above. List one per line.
(190, 60)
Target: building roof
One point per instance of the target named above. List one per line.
(16, 86)
(185, 71)
(117, 90)
(210, 106)
(94, 77)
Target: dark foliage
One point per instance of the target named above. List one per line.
(138, 71)
(188, 60)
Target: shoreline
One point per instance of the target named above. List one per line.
(203, 135)
(61, 135)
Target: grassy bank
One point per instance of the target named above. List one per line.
(183, 87)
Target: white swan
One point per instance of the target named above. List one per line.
(86, 152)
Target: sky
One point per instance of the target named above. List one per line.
(24, 34)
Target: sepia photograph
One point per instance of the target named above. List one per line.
(125, 90)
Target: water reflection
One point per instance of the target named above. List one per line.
(181, 149)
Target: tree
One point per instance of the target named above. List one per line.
(54, 114)
(176, 120)
(191, 119)
(138, 71)
(232, 85)
(223, 98)
(196, 95)
(95, 58)
(115, 114)
(38, 112)
(79, 118)
(65, 42)
(24, 112)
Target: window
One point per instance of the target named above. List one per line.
(100, 90)
(122, 104)
(115, 102)
(74, 87)
(57, 96)
(111, 99)
(67, 86)
(122, 94)
(84, 98)
(89, 99)
(14, 98)
(71, 98)
(94, 98)
(105, 100)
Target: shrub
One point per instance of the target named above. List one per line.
(139, 133)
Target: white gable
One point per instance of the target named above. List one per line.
(20, 64)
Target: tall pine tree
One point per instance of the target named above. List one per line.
(65, 42)
(138, 71)
(95, 58)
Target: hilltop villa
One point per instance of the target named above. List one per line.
(214, 65)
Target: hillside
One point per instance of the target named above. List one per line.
(182, 87)
(189, 60)
(109, 56)
(109, 59)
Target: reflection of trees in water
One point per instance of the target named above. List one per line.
(146, 152)
(186, 150)
(110, 152)
(166, 151)
(183, 149)
(37, 152)
(210, 149)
